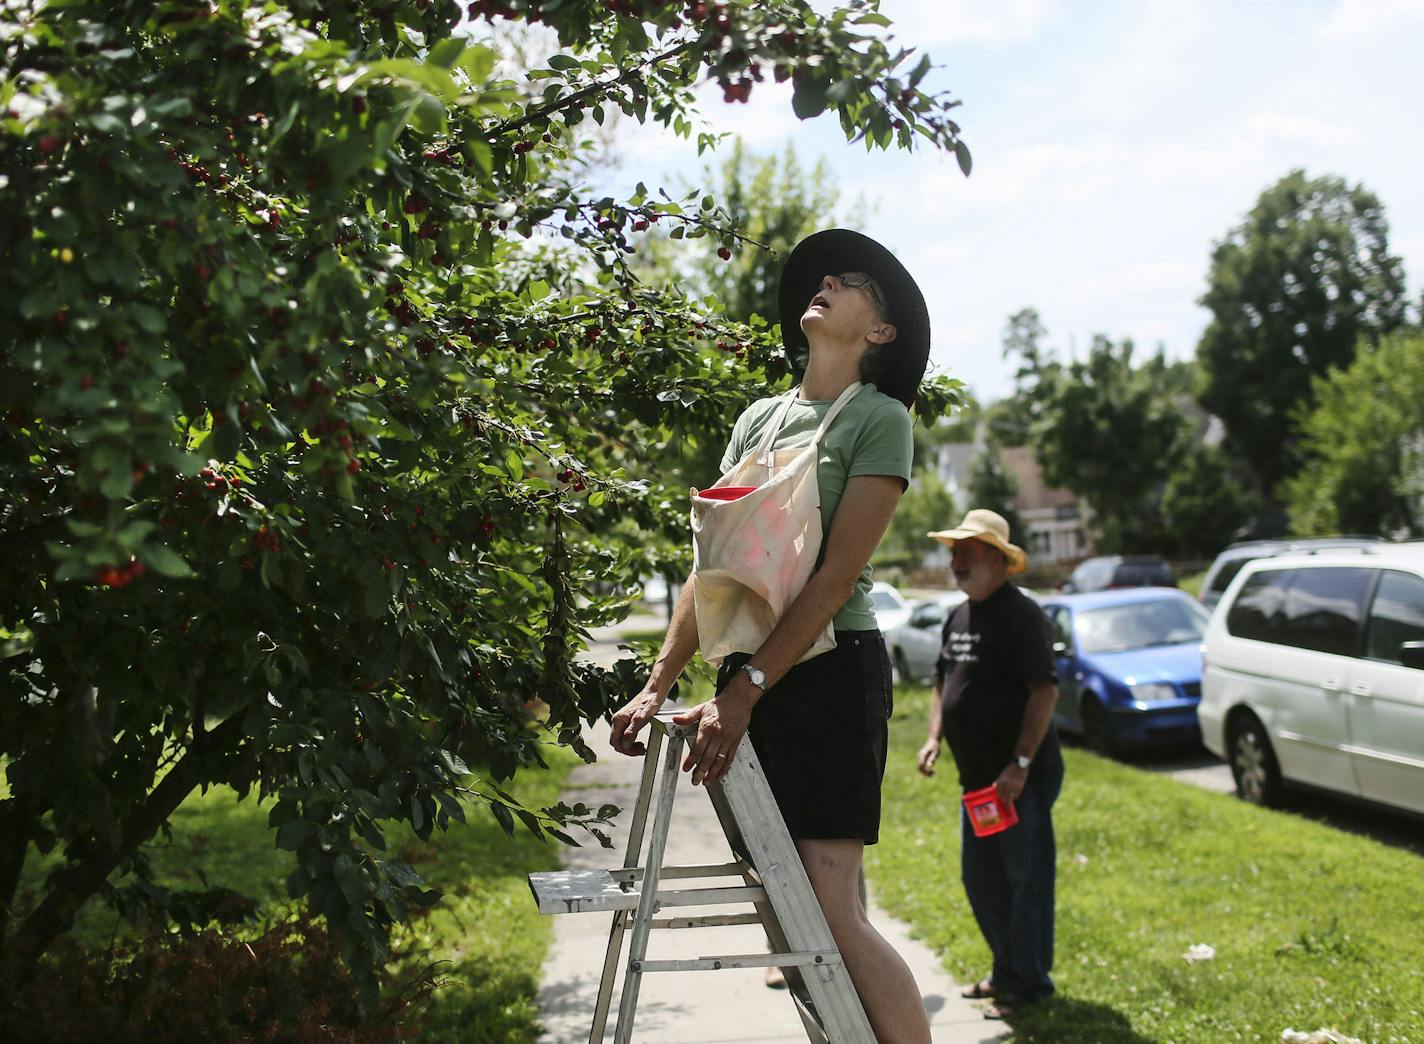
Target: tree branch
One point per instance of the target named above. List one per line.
(76, 883)
(598, 87)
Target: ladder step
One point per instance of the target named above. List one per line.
(707, 921)
(593, 891)
(741, 960)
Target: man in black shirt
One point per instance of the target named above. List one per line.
(995, 688)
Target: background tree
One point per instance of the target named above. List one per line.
(1292, 290)
(1012, 418)
(994, 487)
(1363, 444)
(926, 506)
(1204, 504)
(327, 396)
(773, 201)
(1105, 430)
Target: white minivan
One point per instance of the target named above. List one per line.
(1314, 673)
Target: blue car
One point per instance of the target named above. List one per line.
(1129, 666)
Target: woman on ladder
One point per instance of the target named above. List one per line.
(856, 330)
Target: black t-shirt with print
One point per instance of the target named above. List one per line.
(990, 653)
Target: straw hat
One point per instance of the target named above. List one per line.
(990, 527)
(837, 250)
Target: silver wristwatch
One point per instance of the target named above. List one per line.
(1024, 761)
(757, 675)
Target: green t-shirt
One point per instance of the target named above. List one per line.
(870, 436)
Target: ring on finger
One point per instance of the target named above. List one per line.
(721, 755)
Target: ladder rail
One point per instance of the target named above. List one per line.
(648, 901)
(630, 862)
(773, 882)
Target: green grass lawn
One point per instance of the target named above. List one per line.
(486, 932)
(1312, 927)
(1191, 583)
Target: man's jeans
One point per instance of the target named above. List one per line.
(1009, 879)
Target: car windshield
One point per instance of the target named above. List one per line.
(884, 600)
(1164, 621)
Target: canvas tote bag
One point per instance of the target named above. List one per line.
(753, 555)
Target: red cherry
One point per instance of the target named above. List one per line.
(49, 143)
(724, 253)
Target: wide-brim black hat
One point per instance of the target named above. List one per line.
(838, 250)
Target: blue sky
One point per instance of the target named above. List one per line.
(1113, 143)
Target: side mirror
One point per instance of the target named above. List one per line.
(1411, 654)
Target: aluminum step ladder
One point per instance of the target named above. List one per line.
(769, 877)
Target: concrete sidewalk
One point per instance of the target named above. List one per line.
(707, 1007)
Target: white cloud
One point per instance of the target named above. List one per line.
(1303, 128)
(1141, 279)
(968, 21)
(1367, 17)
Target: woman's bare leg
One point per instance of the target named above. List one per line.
(882, 978)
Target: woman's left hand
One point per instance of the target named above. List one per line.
(721, 722)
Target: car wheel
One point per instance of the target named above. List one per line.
(1096, 732)
(1253, 762)
(902, 669)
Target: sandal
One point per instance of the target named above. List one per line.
(981, 990)
(1000, 1010)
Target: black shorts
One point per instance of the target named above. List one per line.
(820, 734)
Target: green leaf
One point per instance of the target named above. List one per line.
(454, 763)
(961, 153)
(292, 835)
(350, 879)
(446, 51)
(376, 600)
(514, 464)
(162, 560)
(809, 98)
(564, 63)
(503, 817)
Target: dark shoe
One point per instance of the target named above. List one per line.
(981, 990)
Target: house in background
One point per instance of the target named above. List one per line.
(1053, 518)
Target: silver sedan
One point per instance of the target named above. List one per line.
(914, 646)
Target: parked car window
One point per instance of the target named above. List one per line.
(1258, 612)
(1324, 609)
(1396, 617)
(1143, 574)
(1226, 574)
(1092, 575)
(883, 599)
(1166, 621)
(929, 615)
(1059, 619)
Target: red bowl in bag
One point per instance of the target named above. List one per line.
(725, 492)
(988, 813)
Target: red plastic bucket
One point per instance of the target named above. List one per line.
(988, 814)
(725, 492)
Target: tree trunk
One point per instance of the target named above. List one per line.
(75, 884)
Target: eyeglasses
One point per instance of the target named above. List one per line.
(861, 281)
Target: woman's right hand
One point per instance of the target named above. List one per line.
(629, 721)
